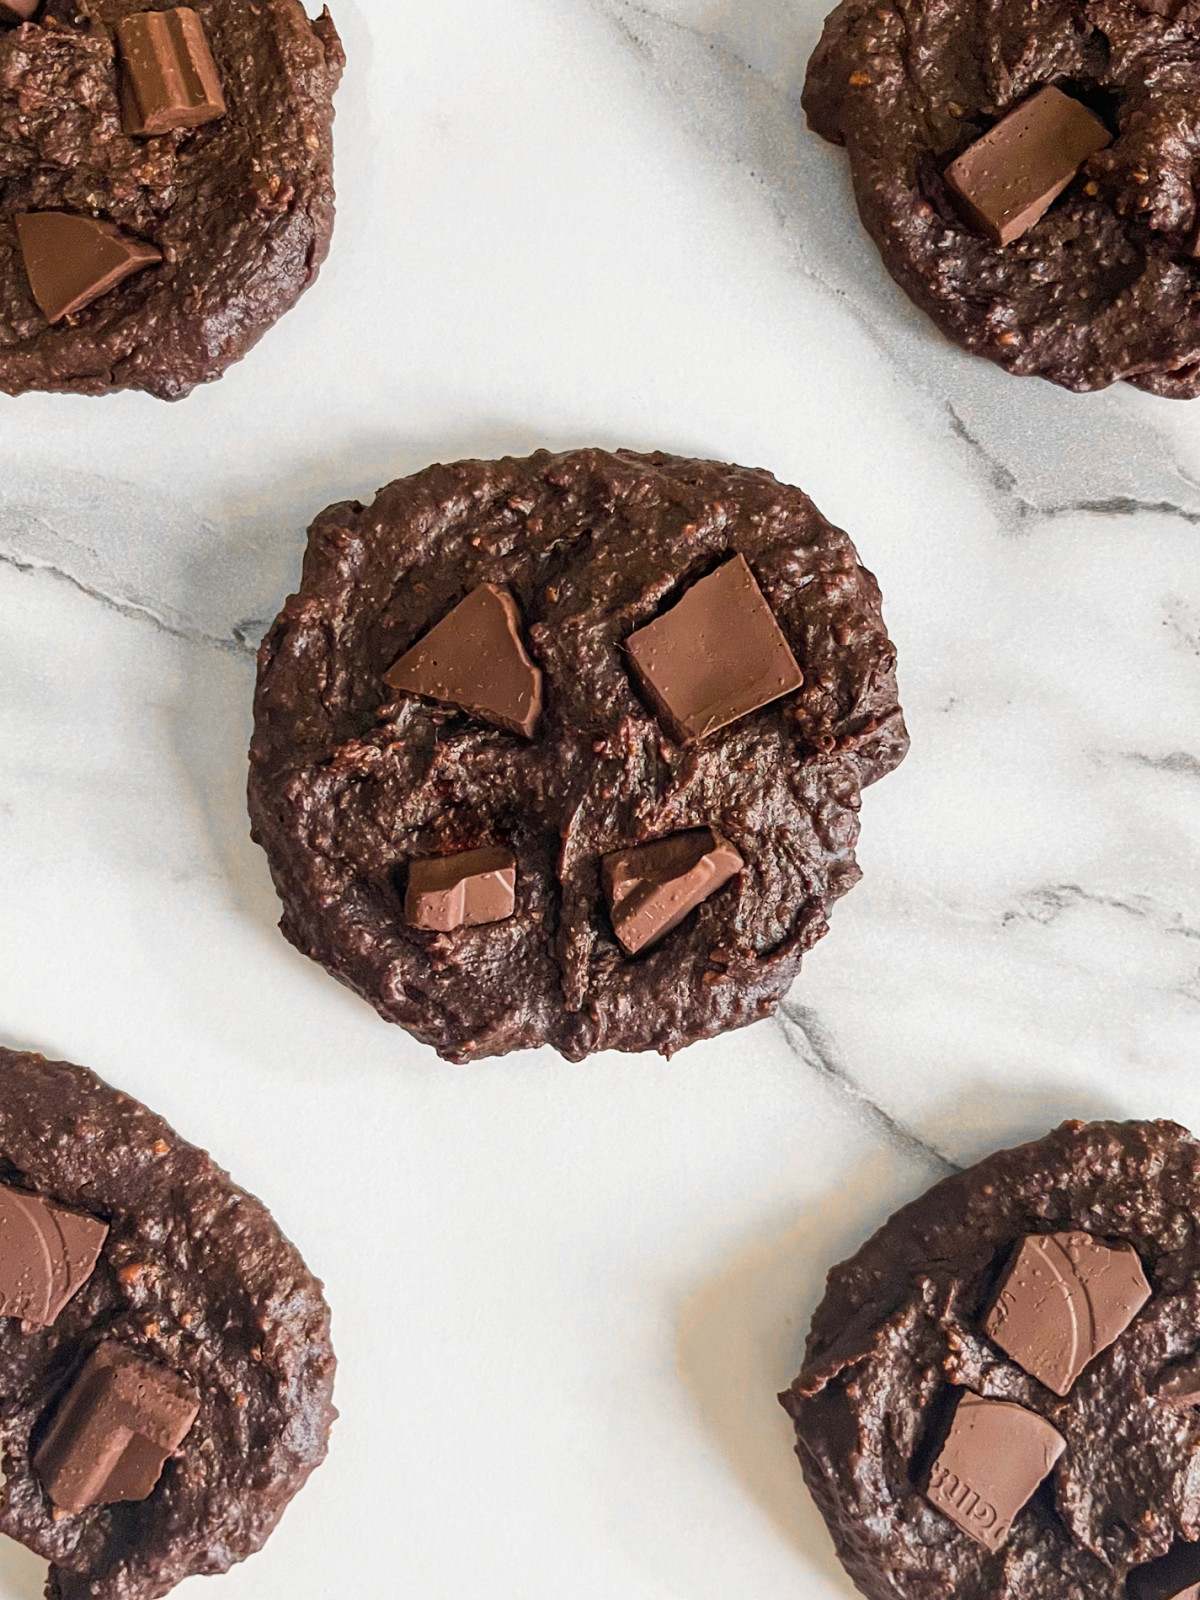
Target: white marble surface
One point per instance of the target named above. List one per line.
(565, 1295)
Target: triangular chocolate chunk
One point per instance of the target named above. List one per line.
(71, 261)
(474, 658)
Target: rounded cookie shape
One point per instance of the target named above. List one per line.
(239, 208)
(351, 781)
(1091, 1234)
(193, 1276)
(1106, 285)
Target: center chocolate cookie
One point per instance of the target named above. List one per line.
(1000, 1397)
(1029, 172)
(568, 750)
(165, 1366)
(166, 186)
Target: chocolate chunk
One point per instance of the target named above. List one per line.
(120, 1421)
(460, 891)
(170, 79)
(993, 1459)
(1175, 1576)
(474, 658)
(46, 1253)
(652, 887)
(1064, 1298)
(71, 261)
(18, 10)
(715, 656)
(1009, 178)
(1179, 1384)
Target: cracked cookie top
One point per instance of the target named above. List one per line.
(229, 217)
(656, 829)
(999, 1393)
(1104, 284)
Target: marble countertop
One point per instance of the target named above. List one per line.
(564, 1295)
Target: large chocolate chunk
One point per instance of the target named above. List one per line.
(46, 1253)
(1064, 1298)
(71, 261)
(993, 1459)
(1008, 179)
(170, 79)
(714, 656)
(474, 658)
(16, 11)
(652, 887)
(121, 1419)
(464, 890)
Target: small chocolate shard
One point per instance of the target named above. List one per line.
(169, 78)
(46, 1254)
(1179, 1384)
(715, 656)
(1008, 179)
(18, 11)
(71, 261)
(652, 887)
(465, 890)
(1064, 1298)
(1175, 1576)
(994, 1457)
(122, 1417)
(474, 658)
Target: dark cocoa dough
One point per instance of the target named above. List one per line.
(241, 208)
(1104, 286)
(900, 1333)
(350, 780)
(194, 1275)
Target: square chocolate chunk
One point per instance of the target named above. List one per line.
(715, 656)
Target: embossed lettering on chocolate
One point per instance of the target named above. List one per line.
(202, 139)
(940, 1459)
(369, 754)
(188, 1373)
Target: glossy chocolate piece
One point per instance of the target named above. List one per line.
(1175, 1576)
(18, 11)
(1179, 1384)
(994, 1457)
(1064, 1298)
(168, 77)
(46, 1254)
(716, 655)
(1010, 177)
(71, 260)
(122, 1417)
(474, 658)
(652, 887)
(465, 890)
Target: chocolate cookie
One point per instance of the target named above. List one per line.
(166, 186)
(168, 1389)
(999, 1394)
(626, 704)
(955, 145)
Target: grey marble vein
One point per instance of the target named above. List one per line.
(734, 69)
(1046, 904)
(810, 1041)
(139, 611)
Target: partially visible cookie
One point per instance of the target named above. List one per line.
(1000, 1396)
(569, 750)
(169, 1387)
(1027, 171)
(166, 188)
